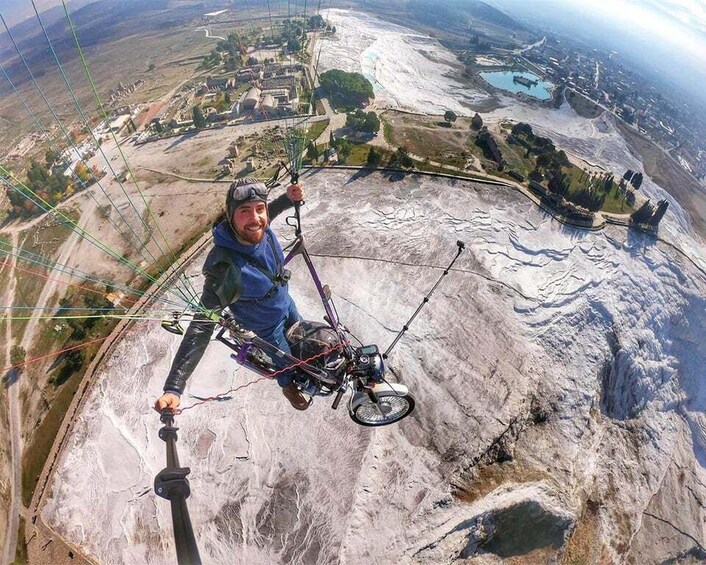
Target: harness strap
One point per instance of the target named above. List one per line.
(278, 280)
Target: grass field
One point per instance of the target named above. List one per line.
(514, 158)
(614, 203)
(21, 550)
(359, 155)
(316, 129)
(37, 451)
(424, 136)
(27, 289)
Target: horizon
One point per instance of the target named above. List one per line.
(666, 38)
(19, 11)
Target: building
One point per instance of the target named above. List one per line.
(251, 100)
(215, 84)
(268, 103)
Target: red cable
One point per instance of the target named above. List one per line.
(104, 294)
(272, 376)
(52, 354)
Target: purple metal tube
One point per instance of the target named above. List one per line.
(300, 249)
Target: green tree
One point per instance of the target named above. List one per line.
(476, 122)
(521, 128)
(69, 366)
(294, 45)
(374, 157)
(450, 116)
(363, 121)
(50, 187)
(51, 157)
(558, 184)
(17, 355)
(353, 119)
(561, 159)
(343, 148)
(346, 90)
(312, 151)
(82, 172)
(643, 214)
(372, 123)
(401, 159)
(544, 160)
(316, 22)
(199, 118)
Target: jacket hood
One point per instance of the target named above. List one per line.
(223, 236)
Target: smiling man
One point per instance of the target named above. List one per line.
(245, 272)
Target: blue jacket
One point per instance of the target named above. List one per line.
(232, 281)
(260, 303)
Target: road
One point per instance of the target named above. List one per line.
(13, 394)
(44, 544)
(598, 75)
(13, 389)
(208, 33)
(524, 49)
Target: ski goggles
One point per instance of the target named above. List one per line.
(244, 193)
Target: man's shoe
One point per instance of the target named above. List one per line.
(295, 397)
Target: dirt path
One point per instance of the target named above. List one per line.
(50, 287)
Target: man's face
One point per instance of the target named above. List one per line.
(250, 222)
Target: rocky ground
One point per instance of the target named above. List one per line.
(557, 372)
(559, 409)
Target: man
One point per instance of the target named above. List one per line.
(244, 271)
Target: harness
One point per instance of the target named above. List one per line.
(279, 279)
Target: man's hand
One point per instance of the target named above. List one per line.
(167, 400)
(295, 193)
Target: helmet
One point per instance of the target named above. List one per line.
(243, 191)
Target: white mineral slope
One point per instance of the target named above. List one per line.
(559, 384)
(415, 73)
(599, 142)
(408, 70)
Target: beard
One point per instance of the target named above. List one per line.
(250, 236)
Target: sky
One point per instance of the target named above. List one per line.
(14, 11)
(681, 22)
(666, 37)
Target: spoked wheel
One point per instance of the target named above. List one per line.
(391, 408)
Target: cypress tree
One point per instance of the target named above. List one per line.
(643, 214)
(662, 206)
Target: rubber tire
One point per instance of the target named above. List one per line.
(408, 398)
